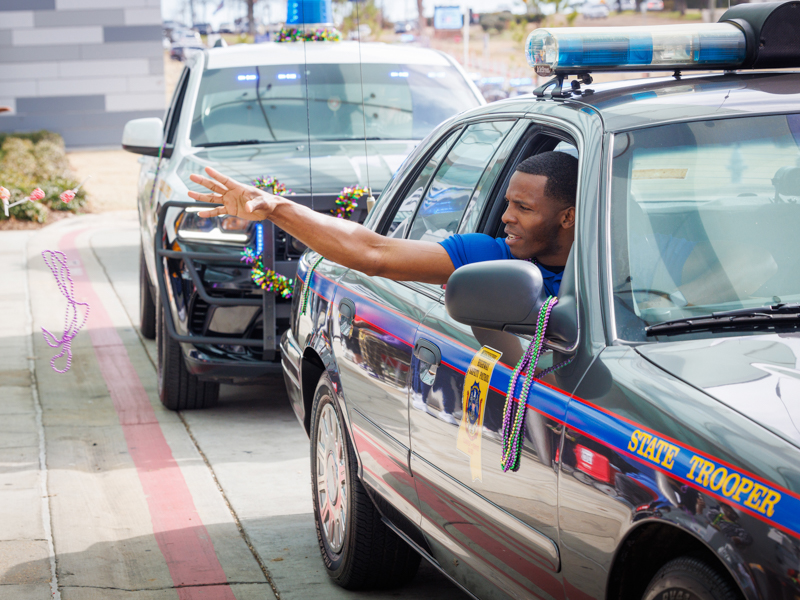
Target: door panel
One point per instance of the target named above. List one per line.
(374, 363)
(506, 522)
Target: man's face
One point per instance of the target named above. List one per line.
(535, 225)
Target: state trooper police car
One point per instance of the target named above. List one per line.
(662, 460)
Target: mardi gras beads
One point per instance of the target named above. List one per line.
(346, 202)
(307, 288)
(266, 279)
(57, 262)
(271, 185)
(514, 412)
(292, 34)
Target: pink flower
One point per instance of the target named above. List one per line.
(37, 194)
(4, 194)
(67, 196)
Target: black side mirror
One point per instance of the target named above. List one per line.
(507, 295)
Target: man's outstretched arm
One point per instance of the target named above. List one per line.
(339, 240)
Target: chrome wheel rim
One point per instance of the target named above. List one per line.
(331, 479)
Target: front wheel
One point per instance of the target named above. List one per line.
(689, 579)
(358, 549)
(177, 388)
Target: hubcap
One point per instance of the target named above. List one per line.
(331, 478)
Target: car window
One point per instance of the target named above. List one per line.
(345, 102)
(440, 211)
(704, 216)
(405, 212)
(483, 191)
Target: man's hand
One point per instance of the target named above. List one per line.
(237, 199)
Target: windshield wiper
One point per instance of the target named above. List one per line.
(232, 143)
(727, 318)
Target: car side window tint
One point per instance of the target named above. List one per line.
(440, 211)
(405, 212)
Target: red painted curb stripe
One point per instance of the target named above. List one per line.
(179, 532)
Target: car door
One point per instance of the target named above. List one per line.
(503, 526)
(376, 356)
(149, 183)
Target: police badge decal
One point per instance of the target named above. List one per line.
(476, 388)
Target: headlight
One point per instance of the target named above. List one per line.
(227, 229)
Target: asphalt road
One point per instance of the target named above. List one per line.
(108, 495)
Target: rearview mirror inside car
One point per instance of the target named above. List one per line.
(507, 295)
(144, 136)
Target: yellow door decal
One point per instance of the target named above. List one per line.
(476, 388)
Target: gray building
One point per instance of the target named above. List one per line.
(81, 68)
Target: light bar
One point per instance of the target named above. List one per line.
(246, 77)
(663, 47)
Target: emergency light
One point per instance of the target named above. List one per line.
(747, 36)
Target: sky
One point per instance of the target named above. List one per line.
(275, 10)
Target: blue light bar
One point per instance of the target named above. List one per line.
(259, 238)
(287, 75)
(399, 74)
(663, 47)
(247, 77)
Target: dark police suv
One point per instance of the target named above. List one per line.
(664, 460)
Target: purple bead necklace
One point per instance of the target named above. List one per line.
(57, 262)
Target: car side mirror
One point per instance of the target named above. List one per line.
(144, 136)
(507, 295)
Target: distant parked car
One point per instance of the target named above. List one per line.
(655, 4)
(622, 5)
(405, 26)
(203, 28)
(226, 28)
(592, 10)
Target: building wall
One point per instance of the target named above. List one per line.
(81, 68)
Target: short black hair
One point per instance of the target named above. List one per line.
(561, 170)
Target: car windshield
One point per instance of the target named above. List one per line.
(268, 103)
(704, 218)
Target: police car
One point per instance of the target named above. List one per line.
(312, 118)
(661, 461)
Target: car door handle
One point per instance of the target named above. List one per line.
(429, 357)
(347, 314)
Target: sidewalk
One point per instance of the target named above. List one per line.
(25, 537)
(135, 510)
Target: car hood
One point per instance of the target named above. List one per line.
(334, 165)
(758, 376)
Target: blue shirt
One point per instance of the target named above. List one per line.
(464, 249)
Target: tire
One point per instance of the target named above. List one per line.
(147, 305)
(359, 551)
(688, 578)
(177, 388)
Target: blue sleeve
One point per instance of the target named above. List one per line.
(468, 248)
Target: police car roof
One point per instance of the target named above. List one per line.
(272, 53)
(632, 104)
